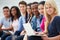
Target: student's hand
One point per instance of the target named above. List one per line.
(39, 33)
(45, 32)
(25, 37)
(45, 37)
(36, 33)
(23, 32)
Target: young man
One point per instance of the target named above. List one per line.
(36, 19)
(6, 21)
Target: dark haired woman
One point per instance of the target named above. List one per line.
(29, 11)
(15, 14)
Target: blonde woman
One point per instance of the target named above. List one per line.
(52, 24)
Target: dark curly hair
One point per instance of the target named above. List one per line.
(18, 14)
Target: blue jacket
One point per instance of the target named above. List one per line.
(21, 22)
(34, 22)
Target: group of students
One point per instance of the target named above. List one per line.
(42, 16)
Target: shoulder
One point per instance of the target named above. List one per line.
(2, 19)
(33, 18)
(20, 18)
(57, 18)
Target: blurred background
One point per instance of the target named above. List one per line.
(10, 3)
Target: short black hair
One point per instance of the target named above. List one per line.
(6, 7)
(23, 2)
(42, 2)
(35, 3)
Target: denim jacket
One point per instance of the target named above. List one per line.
(34, 22)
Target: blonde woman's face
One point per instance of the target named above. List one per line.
(49, 9)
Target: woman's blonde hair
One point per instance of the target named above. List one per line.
(48, 17)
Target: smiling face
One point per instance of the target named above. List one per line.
(41, 9)
(49, 9)
(6, 12)
(34, 9)
(29, 9)
(13, 11)
(22, 8)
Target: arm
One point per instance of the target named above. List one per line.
(51, 38)
(25, 37)
(55, 38)
(9, 28)
(1, 24)
(0, 27)
(23, 32)
(46, 28)
(20, 25)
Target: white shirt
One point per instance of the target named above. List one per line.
(15, 25)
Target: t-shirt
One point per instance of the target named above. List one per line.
(15, 25)
(54, 27)
(6, 22)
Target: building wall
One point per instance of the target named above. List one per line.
(15, 3)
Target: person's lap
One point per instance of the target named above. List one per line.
(34, 38)
(9, 38)
(4, 36)
(29, 38)
(18, 38)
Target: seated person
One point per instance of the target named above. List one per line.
(5, 22)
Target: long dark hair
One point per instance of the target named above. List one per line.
(26, 18)
(18, 14)
(42, 2)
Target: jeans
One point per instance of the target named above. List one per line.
(18, 38)
(3, 35)
(17, 33)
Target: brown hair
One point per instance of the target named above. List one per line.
(23, 2)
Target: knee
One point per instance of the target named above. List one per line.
(20, 38)
(9, 38)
